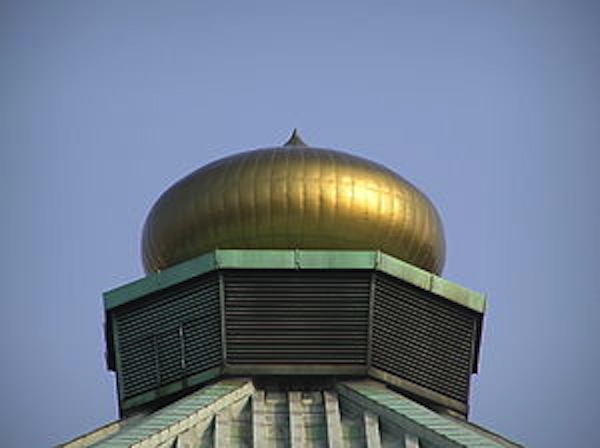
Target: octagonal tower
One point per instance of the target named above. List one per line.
(293, 298)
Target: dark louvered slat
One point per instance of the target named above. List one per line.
(421, 338)
(296, 317)
(169, 335)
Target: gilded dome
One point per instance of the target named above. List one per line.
(289, 197)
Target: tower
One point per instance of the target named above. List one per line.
(293, 298)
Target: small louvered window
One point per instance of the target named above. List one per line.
(169, 336)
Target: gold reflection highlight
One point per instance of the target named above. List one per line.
(293, 197)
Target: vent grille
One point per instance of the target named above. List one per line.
(421, 338)
(293, 317)
(289, 320)
(169, 336)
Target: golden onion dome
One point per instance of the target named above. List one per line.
(293, 197)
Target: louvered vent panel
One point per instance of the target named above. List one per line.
(296, 317)
(169, 335)
(422, 338)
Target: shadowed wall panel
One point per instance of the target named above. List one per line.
(421, 338)
(169, 335)
(296, 316)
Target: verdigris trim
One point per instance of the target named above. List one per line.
(418, 390)
(295, 369)
(160, 280)
(325, 259)
(171, 388)
(295, 259)
(255, 259)
(457, 294)
(117, 353)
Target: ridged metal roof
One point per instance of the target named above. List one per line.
(293, 196)
(240, 413)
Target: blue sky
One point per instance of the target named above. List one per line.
(490, 107)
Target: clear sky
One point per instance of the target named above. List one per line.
(492, 108)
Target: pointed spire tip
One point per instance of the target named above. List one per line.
(295, 139)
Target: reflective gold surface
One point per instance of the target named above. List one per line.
(293, 197)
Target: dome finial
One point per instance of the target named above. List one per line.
(295, 139)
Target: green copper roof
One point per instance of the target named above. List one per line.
(161, 425)
(295, 259)
(238, 412)
(413, 418)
